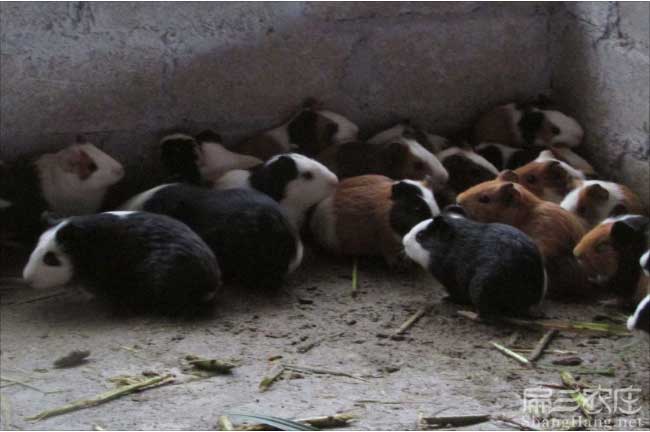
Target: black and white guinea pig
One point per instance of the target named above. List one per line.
(200, 159)
(135, 260)
(466, 168)
(309, 131)
(368, 216)
(406, 129)
(293, 180)
(72, 181)
(495, 267)
(404, 158)
(507, 158)
(524, 125)
(250, 234)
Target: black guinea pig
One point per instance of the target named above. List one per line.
(254, 241)
(135, 260)
(640, 320)
(495, 267)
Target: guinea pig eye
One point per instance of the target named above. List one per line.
(582, 210)
(484, 199)
(530, 178)
(555, 130)
(50, 259)
(420, 236)
(308, 175)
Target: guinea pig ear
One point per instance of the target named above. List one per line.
(76, 161)
(301, 128)
(508, 194)
(455, 209)
(629, 229)
(508, 176)
(208, 135)
(554, 168)
(401, 190)
(597, 192)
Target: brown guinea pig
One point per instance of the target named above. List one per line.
(610, 254)
(554, 230)
(596, 200)
(519, 125)
(402, 158)
(549, 179)
(309, 132)
(369, 215)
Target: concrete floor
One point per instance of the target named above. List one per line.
(444, 362)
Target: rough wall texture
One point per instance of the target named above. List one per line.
(601, 73)
(121, 73)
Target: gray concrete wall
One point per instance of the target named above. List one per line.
(122, 72)
(601, 73)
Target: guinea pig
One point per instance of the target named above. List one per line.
(610, 254)
(517, 125)
(295, 181)
(433, 143)
(596, 200)
(640, 320)
(254, 242)
(309, 131)
(549, 179)
(495, 267)
(466, 168)
(555, 231)
(200, 159)
(134, 260)
(72, 181)
(369, 215)
(504, 157)
(401, 159)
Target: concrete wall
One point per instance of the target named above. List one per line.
(601, 74)
(123, 72)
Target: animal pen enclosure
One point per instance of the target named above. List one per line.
(124, 74)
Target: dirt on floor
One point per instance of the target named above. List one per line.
(444, 365)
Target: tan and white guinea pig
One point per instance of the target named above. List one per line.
(518, 125)
(368, 215)
(403, 158)
(309, 131)
(406, 129)
(548, 178)
(610, 255)
(200, 159)
(555, 231)
(596, 200)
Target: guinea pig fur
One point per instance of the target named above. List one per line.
(640, 320)
(401, 159)
(495, 267)
(610, 254)
(369, 215)
(549, 179)
(309, 131)
(555, 231)
(431, 142)
(596, 200)
(200, 159)
(518, 125)
(72, 181)
(295, 181)
(504, 157)
(135, 260)
(466, 168)
(254, 242)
